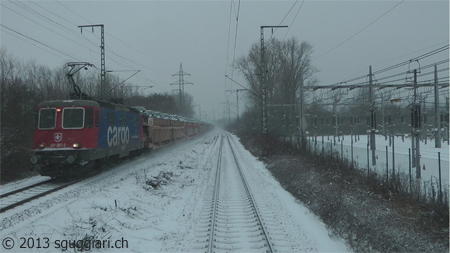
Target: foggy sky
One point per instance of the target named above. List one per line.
(156, 36)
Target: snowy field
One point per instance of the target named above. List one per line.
(428, 161)
(120, 208)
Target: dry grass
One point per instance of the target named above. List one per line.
(370, 214)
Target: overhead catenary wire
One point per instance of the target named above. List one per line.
(235, 35)
(68, 21)
(89, 22)
(431, 53)
(292, 7)
(128, 45)
(290, 26)
(35, 45)
(123, 60)
(46, 27)
(228, 41)
(422, 68)
(358, 32)
(404, 63)
(36, 13)
(41, 43)
(403, 56)
(54, 23)
(419, 75)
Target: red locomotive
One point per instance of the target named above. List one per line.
(72, 135)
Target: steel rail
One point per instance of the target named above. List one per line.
(24, 188)
(3, 209)
(252, 200)
(216, 197)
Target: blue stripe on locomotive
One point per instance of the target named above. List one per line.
(118, 131)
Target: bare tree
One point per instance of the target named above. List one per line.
(288, 65)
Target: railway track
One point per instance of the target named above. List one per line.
(12, 199)
(231, 219)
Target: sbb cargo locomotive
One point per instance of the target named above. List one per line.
(72, 135)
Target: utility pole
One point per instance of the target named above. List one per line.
(264, 90)
(181, 84)
(415, 129)
(302, 114)
(335, 121)
(102, 55)
(383, 116)
(372, 117)
(424, 121)
(437, 114)
(446, 120)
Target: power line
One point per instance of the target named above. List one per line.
(431, 53)
(53, 13)
(398, 57)
(44, 26)
(292, 7)
(235, 35)
(88, 22)
(424, 67)
(360, 30)
(44, 17)
(52, 48)
(420, 57)
(47, 19)
(22, 39)
(121, 63)
(421, 75)
(128, 45)
(294, 19)
(229, 35)
(123, 60)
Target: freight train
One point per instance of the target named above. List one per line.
(74, 135)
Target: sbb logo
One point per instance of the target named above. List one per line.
(118, 136)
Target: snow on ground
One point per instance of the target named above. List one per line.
(302, 225)
(428, 153)
(124, 207)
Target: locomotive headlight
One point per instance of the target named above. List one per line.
(70, 159)
(75, 145)
(33, 159)
(41, 146)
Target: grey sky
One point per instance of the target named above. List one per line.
(156, 36)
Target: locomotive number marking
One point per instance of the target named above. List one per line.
(118, 136)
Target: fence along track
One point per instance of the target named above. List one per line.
(232, 220)
(34, 192)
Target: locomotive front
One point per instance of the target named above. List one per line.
(66, 135)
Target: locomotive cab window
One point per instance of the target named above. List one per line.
(73, 118)
(47, 118)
